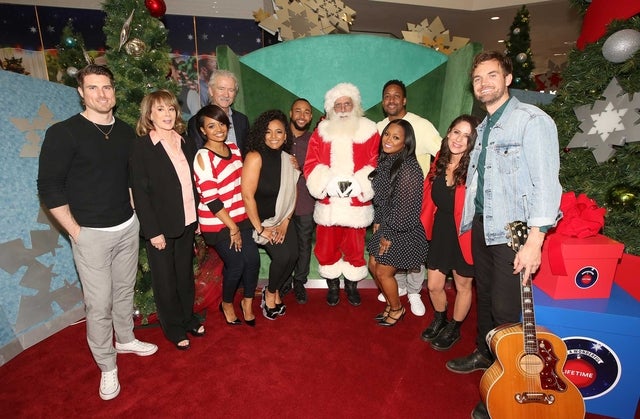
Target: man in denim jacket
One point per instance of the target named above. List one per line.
(512, 176)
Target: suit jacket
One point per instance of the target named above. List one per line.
(240, 124)
(157, 192)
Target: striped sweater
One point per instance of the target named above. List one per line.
(219, 180)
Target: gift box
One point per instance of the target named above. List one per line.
(627, 276)
(602, 338)
(578, 268)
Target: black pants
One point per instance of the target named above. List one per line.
(305, 226)
(239, 267)
(283, 259)
(498, 289)
(173, 284)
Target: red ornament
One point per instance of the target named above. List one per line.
(156, 8)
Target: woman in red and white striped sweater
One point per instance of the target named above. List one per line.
(223, 220)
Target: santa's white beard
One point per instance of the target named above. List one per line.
(343, 123)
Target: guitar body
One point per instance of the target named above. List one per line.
(522, 384)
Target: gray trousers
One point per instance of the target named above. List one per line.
(412, 281)
(107, 263)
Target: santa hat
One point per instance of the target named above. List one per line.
(340, 90)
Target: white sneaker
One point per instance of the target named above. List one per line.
(401, 293)
(417, 307)
(136, 347)
(109, 385)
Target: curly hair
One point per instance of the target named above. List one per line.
(258, 130)
(165, 97)
(460, 173)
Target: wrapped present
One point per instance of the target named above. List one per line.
(577, 262)
(627, 275)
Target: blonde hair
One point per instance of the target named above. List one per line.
(144, 124)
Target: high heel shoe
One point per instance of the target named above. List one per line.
(197, 331)
(281, 308)
(381, 316)
(235, 322)
(386, 323)
(251, 322)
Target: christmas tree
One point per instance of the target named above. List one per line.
(71, 55)
(607, 170)
(519, 50)
(137, 52)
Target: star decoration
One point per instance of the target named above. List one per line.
(608, 123)
(434, 36)
(301, 18)
(33, 130)
(260, 15)
(550, 80)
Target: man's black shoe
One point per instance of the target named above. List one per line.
(300, 292)
(470, 363)
(333, 295)
(480, 412)
(353, 296)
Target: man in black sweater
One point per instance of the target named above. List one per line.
(83, 179)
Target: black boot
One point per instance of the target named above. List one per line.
(351, 287)
(333, 295)
(437, 324)
(447, 337)
(300, 292)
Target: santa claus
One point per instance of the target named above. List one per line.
(342, 152)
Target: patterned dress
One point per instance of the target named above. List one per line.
(397, 212)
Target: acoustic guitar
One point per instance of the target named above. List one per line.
(527, 380)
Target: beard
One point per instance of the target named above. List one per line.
(343, 123)
(301, 128)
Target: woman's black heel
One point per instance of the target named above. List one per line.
(386, 323)
(381, 316)
(251, 322)
(236, 322)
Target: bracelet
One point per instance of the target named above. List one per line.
(234, 234)
(261, 231)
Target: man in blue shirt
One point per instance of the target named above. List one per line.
(512, 176)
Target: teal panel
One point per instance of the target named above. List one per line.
(310, 66)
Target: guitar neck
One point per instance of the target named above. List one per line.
(528, 317)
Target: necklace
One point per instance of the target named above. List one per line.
(106, 134)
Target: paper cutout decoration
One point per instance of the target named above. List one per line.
(302, 18)
(434, 36)
(608, 123)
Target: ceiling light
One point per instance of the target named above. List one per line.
(500, 41)
(495, 18)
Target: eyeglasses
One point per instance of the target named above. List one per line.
(344, 106)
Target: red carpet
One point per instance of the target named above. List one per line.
(315, 362)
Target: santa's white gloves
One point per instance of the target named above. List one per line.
(333, 187)
(353, 190)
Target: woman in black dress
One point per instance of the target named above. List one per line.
(398, 240)
(444, 191)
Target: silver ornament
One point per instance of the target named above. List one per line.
(516, 31)
(621, 46)
(72, 71)
(521, 58)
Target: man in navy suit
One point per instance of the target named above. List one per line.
(223, 88)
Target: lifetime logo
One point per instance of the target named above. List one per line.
(586, 277)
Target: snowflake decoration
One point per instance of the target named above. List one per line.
(434, 36)
(33, 130)
(608, 123)
(302, 18)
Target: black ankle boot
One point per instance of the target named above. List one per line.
(437, 324)
(333, 295)
(447, 337)
(351, 287)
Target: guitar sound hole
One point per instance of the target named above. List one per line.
(531, 364)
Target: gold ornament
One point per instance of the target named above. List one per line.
(136, 48)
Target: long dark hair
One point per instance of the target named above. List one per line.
(460, 173)
(409, 150)
(259, 128)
